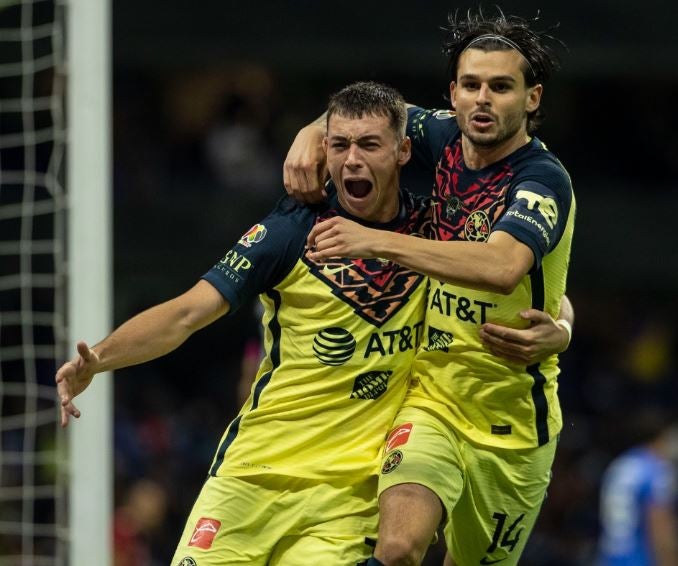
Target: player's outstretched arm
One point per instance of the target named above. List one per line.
(305, 169)
(544, 337)
(149, 335)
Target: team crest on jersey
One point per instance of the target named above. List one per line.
(392, 461)
(477, 227)
(461, 198)
(188, 561)
(438, 340)
(253, 236)
(333, 346)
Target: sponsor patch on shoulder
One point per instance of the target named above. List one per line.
(443, 114)
(204, 533)
(253, 236)
(399, 436)
(187, 561)
(392, 461)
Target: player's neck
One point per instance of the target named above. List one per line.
(479, 157)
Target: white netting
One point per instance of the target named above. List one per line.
(32, 277)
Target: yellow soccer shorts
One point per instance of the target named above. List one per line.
(491, 496)
(268, 520)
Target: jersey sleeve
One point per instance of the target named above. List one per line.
(430, 131)
(264, 255)
(537, 210)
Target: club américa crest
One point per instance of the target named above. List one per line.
(392, 461)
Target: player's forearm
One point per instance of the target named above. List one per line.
(469, 264)
(149, 335)
(320, 123)
(566, 310)
(160, 329)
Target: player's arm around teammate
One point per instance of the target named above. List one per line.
(148, 335)
(304, 175)
(497, 265)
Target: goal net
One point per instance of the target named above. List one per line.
(32, 279)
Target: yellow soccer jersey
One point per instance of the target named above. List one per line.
(529, 195)
(340, 337)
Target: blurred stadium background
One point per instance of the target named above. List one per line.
(206, 98)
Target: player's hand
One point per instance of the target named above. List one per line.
(340, 237)
(73, 377)
(543, 338)
(305, 169)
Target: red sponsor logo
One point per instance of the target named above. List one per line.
(399, 436)
(204, 533)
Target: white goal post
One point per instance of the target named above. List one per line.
(90, 273)
(56, 502)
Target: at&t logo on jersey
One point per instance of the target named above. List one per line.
(253, 236)
(334, 346)
(463, 308)
(389, 342)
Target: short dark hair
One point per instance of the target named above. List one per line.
(373, 99)
(500, 33)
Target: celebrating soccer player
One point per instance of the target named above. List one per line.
(474, 442)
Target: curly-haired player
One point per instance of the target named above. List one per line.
(475, 440)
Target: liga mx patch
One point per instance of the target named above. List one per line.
(391, 462)
(204, 533)
(399, 436)
(254, 235)
(188, 561)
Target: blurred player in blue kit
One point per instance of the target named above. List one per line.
(474, 442)
(638, 499)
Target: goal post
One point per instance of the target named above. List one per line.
(48, 293)
(90, 274)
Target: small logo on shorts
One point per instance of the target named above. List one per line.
(188, 561)
(398, 436)
(204, 533)
(392, 462)
(500, 429)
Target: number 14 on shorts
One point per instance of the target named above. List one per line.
(504, 536)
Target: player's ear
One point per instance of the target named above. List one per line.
(453, 91)
(534, 97)
(325, 144)
(404, 151)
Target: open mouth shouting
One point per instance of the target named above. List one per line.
(358, 188)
